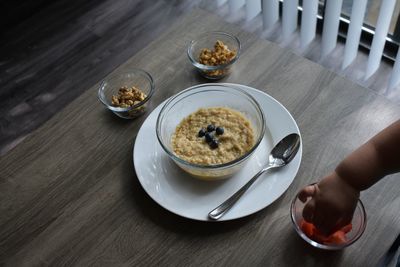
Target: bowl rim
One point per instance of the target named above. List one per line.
(323, 246)
(144, 73)
(207, 67)
(216, 166)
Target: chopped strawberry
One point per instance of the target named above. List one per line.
(337, 238)
(307, 228)
(347, 228)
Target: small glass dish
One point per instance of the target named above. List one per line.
(208, 40)
(192, 99)
(358, 222)
(134, 77)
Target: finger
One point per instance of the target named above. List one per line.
(327, 226)
(306, 192)
(319, 220)
(335, 226)
(308, 211)
(343, 221)
(326, 223)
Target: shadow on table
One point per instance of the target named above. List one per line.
(166, 219)
(199, 79)
(172, 222)
(116, 123)
(303, 254)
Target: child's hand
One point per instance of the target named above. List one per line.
(332, 205)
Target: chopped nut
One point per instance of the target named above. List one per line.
(127, 97)
(221, 55)
(114, 100)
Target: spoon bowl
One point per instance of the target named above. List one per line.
(282, 154)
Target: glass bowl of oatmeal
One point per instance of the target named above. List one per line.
(340, 239)
(127, 94)
(210, 130)
(214, 53)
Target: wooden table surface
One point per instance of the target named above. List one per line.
(69, 194)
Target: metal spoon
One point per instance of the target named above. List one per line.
(281, 154)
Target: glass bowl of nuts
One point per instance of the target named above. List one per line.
(213, 54)
(127, 94)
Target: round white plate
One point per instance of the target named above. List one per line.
(192, 198)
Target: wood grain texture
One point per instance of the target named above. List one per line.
(53, 53)
(69, 194)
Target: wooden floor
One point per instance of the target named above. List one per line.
(63, 48)
(55, 50)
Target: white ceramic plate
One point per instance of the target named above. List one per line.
(192, 198)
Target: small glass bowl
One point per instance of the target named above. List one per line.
(359, 223)
(134, 77)
(207, 40)
(190, 100)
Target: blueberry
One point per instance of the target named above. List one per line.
(202, 132)
(219, 130)
(214, 144)
(209, 137)
(210, 128)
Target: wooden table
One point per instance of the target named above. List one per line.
(69, 194)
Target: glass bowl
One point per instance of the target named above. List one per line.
(134, 77)
(358, 222)
(208, 40)
(190, 100)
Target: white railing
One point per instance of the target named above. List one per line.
(269, 10)
(308, 22)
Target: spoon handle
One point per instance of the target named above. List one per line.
(219, 211)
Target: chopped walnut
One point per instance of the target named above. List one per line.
(219, 56)
(127, 97)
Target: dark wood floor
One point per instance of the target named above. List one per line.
(52, 51)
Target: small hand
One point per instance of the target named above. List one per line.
(332, 203)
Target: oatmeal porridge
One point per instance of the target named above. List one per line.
(212, 136)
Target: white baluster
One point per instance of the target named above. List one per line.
(308, 22)
(331, 26)
(395, 77)
(253, 8)
(289, 17)
(354, 32)
(235, 5)
(378, 43)
(270, 12)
